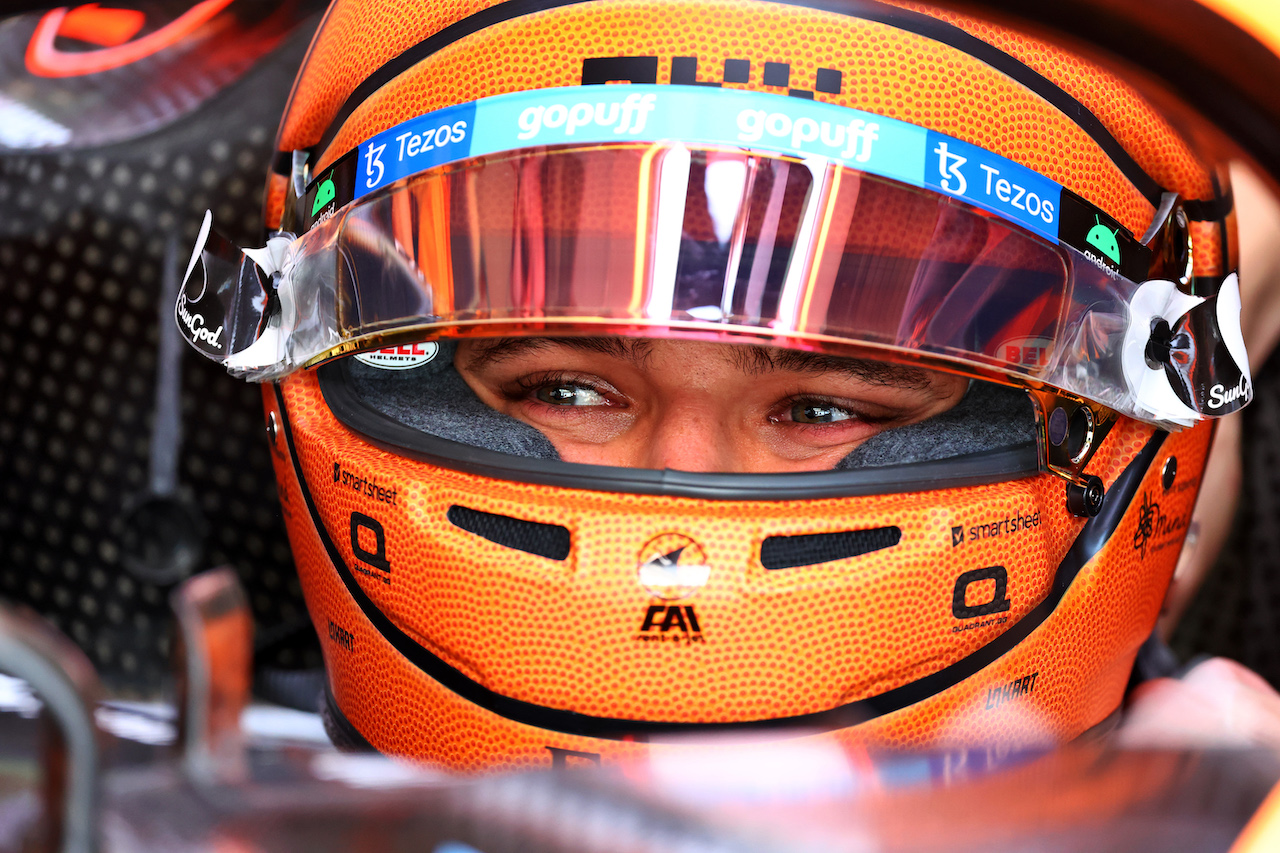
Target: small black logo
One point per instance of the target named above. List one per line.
(957, 536)
(997, 696)
(999, 602)
(671, 623)
(340, 635)
(684, 71)
(1155, 526)
(1146, 524)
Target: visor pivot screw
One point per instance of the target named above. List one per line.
(271, 427)
(1160, 345)
(1169, 473)
(1085, 500)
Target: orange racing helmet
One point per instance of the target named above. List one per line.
(862, 182)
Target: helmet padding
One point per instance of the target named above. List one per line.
(433, 398)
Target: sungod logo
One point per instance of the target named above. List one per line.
(628, 117)
(854, 137)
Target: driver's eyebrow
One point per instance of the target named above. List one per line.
(486, 352)
(750, 359)
(759, 360)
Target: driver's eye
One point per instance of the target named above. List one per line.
(569, 395)
(818, 413)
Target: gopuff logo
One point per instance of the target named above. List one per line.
(854, 138)
(1220, 395)
(627, 117)
(196, 326)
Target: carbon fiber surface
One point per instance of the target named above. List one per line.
(83, 240)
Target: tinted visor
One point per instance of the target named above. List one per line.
(715, 242)
(719, 243)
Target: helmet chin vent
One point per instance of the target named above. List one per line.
(788, 552)
(545, 540)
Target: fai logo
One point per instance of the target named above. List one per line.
(670, 623)
(672, 566)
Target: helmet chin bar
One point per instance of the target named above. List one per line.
(1069, 431)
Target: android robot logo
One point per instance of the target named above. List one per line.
(325, 193)
(1103, 239)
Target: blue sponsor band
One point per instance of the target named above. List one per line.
(693, 115)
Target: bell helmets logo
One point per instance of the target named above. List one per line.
(403, 357)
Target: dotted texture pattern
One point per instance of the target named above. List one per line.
(82, 241)
(1134, 122)
(886, 70)
(565, 634)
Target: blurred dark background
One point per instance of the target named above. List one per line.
(101, 175)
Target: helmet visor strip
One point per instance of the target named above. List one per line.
(772, 220)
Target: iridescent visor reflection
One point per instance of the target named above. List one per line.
(712, 242)
(719, 241)
(654, 234)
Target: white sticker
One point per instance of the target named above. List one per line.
(1155, 299)
(402, 357)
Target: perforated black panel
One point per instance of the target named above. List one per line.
(546, 540)
(788, 552)
(82, 240)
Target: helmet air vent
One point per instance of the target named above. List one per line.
(545, 540)
(788, 552)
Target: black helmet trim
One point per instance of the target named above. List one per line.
(1094, 534)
